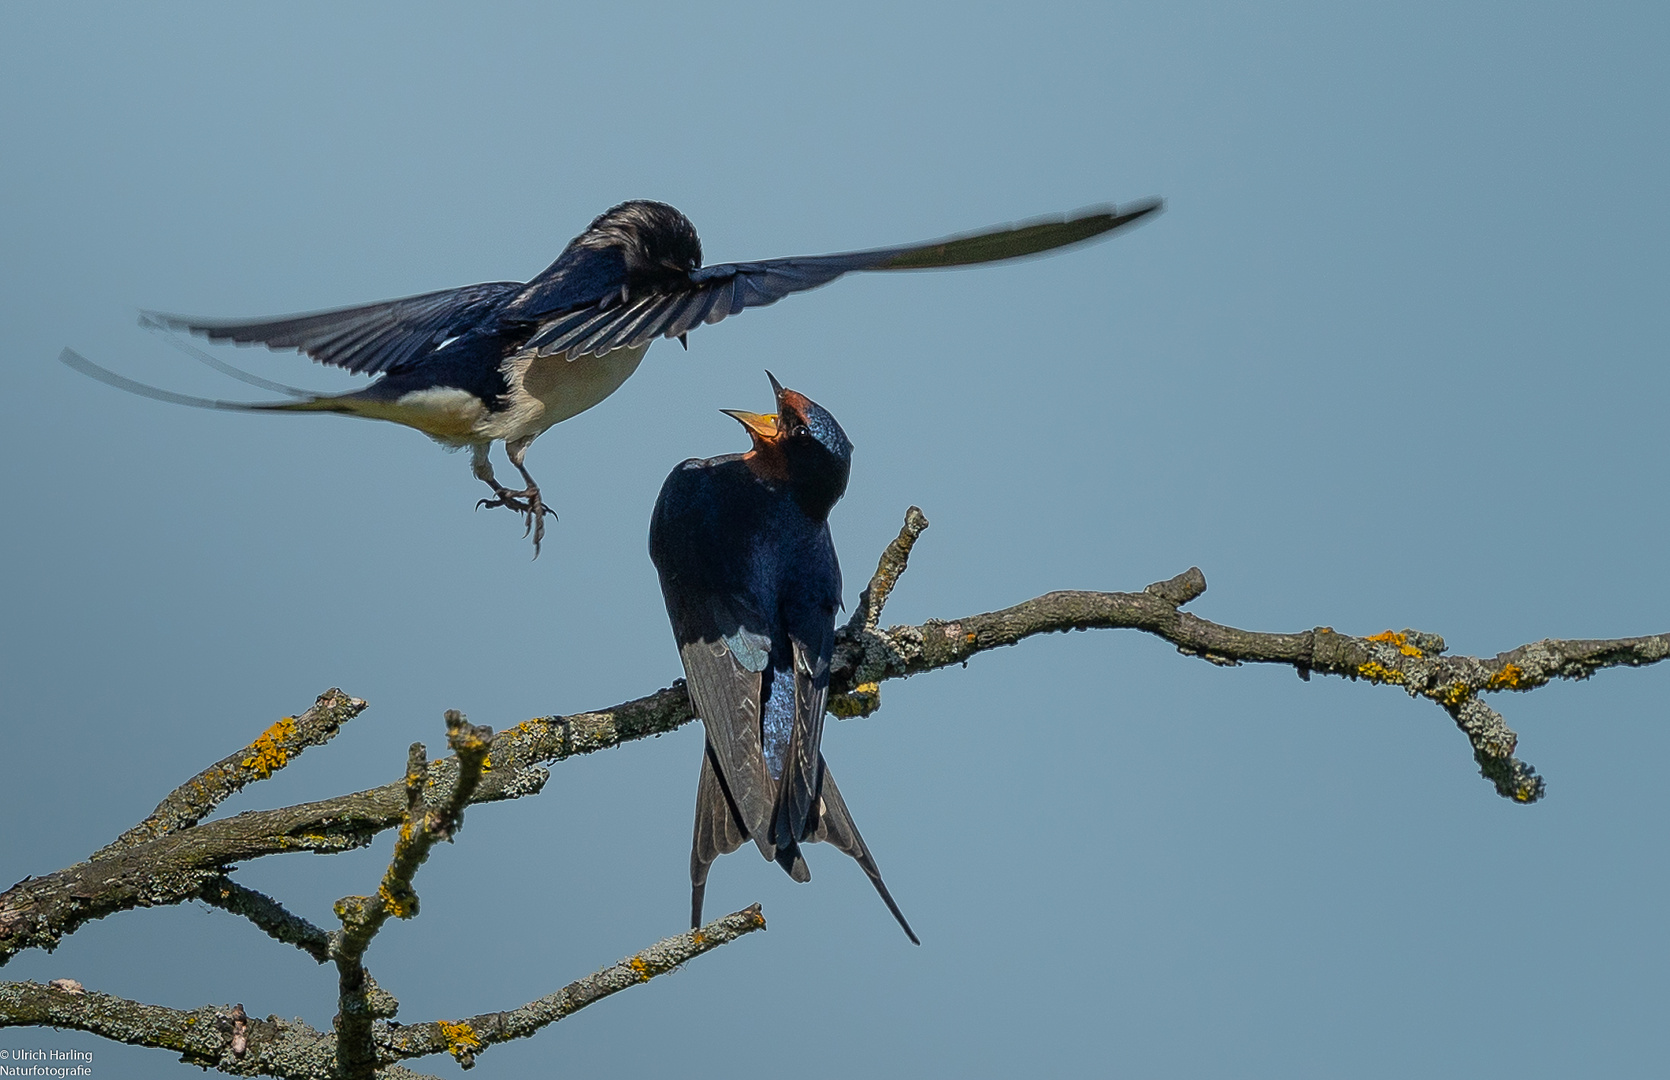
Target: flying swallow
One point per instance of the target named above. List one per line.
(504, 360)
(749, 574)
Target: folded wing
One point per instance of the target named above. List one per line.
(727, 698)
(719, 831)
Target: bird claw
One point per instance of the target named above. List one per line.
(526, 502)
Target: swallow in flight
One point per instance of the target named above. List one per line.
(504, 360)
(741, 543)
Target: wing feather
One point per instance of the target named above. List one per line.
(718, 832)
(726, 289)
(367, 339)
(645, 326)
(727, 698)
(684, 314)
(802, 768)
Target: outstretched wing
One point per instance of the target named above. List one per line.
(372, 338)
(714, 292)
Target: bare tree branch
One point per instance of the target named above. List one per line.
(863, 698)
(360, 1000)
(36, 912)
(466, 1038)
(1409, 659)
(209, 1036)
(273, 749)
(201, 1036)
(270, 915)
(889, 568)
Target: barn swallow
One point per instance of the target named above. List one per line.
(749, 575)
(504, 360)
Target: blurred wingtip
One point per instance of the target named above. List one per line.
(1142, 208)
(1117, 215)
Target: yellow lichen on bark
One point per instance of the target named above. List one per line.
(1452, 695)
(461, 1039)
(267, 751)
(1512, 676)
(1375, 672)
(394, 905)
(1392, 637)
(861, 700)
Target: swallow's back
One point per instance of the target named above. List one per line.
(752, 586)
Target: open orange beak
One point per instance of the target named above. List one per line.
(759, 425)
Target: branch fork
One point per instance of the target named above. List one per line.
(175, 855)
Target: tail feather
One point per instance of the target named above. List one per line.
(835, 828)
(160, 329)
(71, 358)
(792, 861)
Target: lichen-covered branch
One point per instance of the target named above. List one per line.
(360, 1000)
(466, 1038)
(270, 915)
(273, 749)
(36, 912)
(889, 568)
(229, 1040)
(862, 698)
(1409, 659)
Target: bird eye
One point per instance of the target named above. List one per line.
(800, 429)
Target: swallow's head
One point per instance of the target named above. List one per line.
(657, 241)
(802, 445)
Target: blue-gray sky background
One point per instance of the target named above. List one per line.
(1394, 356)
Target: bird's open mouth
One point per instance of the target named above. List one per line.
(766, 427)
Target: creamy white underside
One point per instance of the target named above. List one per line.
(544, 390)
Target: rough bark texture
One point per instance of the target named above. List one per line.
(360, 1001)
(174, 855)
(270, 915)
(273, 749)
(209, 1036)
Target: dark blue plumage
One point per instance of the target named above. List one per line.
(505, 360)
(752, 586)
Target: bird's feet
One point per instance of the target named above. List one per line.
(526, 502)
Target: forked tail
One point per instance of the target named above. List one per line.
(319, 403)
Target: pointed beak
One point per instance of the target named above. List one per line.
(758, 425)
(776, 387)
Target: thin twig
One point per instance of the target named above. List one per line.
(360, 1000)
(467, 1038)
(894, 558)
(270, 915)
(862, 698)
(273, 749)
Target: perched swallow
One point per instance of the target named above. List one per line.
(503, 361)
(749, 575)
